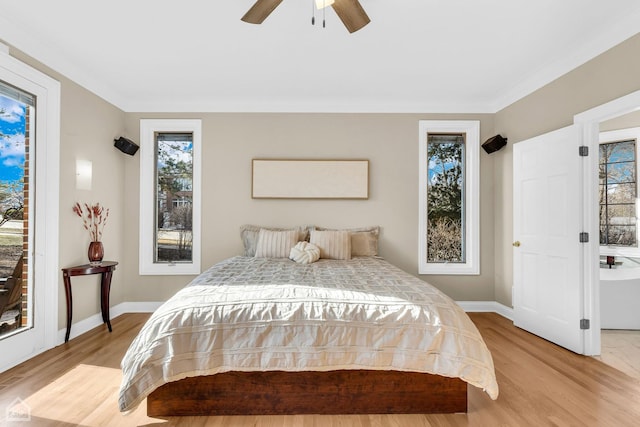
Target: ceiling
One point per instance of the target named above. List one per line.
(415, 55)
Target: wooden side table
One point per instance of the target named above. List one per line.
(106, 269)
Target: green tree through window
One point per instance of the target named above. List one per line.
(174, 214)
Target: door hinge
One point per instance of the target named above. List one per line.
(585, 324)
(583, 151)
(584, 237)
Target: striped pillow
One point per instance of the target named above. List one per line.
(275, 244)
(333, 244)
(364, 240)
(249, 235)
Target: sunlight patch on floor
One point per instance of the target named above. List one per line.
(75, 399)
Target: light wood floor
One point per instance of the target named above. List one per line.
(621, 349)
(540, 385)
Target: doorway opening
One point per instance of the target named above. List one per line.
(618, 174)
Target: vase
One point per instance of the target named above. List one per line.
(96, 252)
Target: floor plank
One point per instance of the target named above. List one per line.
(76, 384)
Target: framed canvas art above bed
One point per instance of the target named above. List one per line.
(309, 179)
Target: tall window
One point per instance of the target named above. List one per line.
(16, 109)
(445, 198)
(618, 173)
(449, 186)
(170, 197)
(30, 149)
(174, 197)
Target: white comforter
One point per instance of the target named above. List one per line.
(258, 314)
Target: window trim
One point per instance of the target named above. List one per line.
(471, 128)
(622, 135)
(148, 129)
(43, 270)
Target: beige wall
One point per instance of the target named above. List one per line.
(609, 76)
(230, 141)
(389, 141)
(630, 120)
(88, 125)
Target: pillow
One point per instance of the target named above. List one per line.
(364, 240)
(275, 244)
(305, 253)
(333, 244)
(249, 235)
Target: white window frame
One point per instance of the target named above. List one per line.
(614, 136)
(148, 130)
(44, 267)
(471, 208)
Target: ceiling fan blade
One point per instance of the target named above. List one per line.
(260, 11)
(351, 14)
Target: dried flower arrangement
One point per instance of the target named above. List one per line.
(94, 218)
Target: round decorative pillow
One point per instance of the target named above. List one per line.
(305, 253)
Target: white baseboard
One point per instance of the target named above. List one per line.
(91, 322)
(135, 307)
(487, 306)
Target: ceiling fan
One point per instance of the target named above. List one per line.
(350, 12)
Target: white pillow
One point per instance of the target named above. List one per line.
(305, 253)
(275, 244)
(333, 244)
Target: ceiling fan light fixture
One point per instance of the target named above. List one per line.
(350, 12)
(321, 4)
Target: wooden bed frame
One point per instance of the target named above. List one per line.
(332, 392)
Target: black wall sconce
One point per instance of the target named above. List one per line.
(494, 143)
(126, 145)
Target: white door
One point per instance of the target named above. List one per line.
(547, 253)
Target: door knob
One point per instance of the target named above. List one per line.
(516, 244)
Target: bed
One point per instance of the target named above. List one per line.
(269, 335)
(336, 329)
